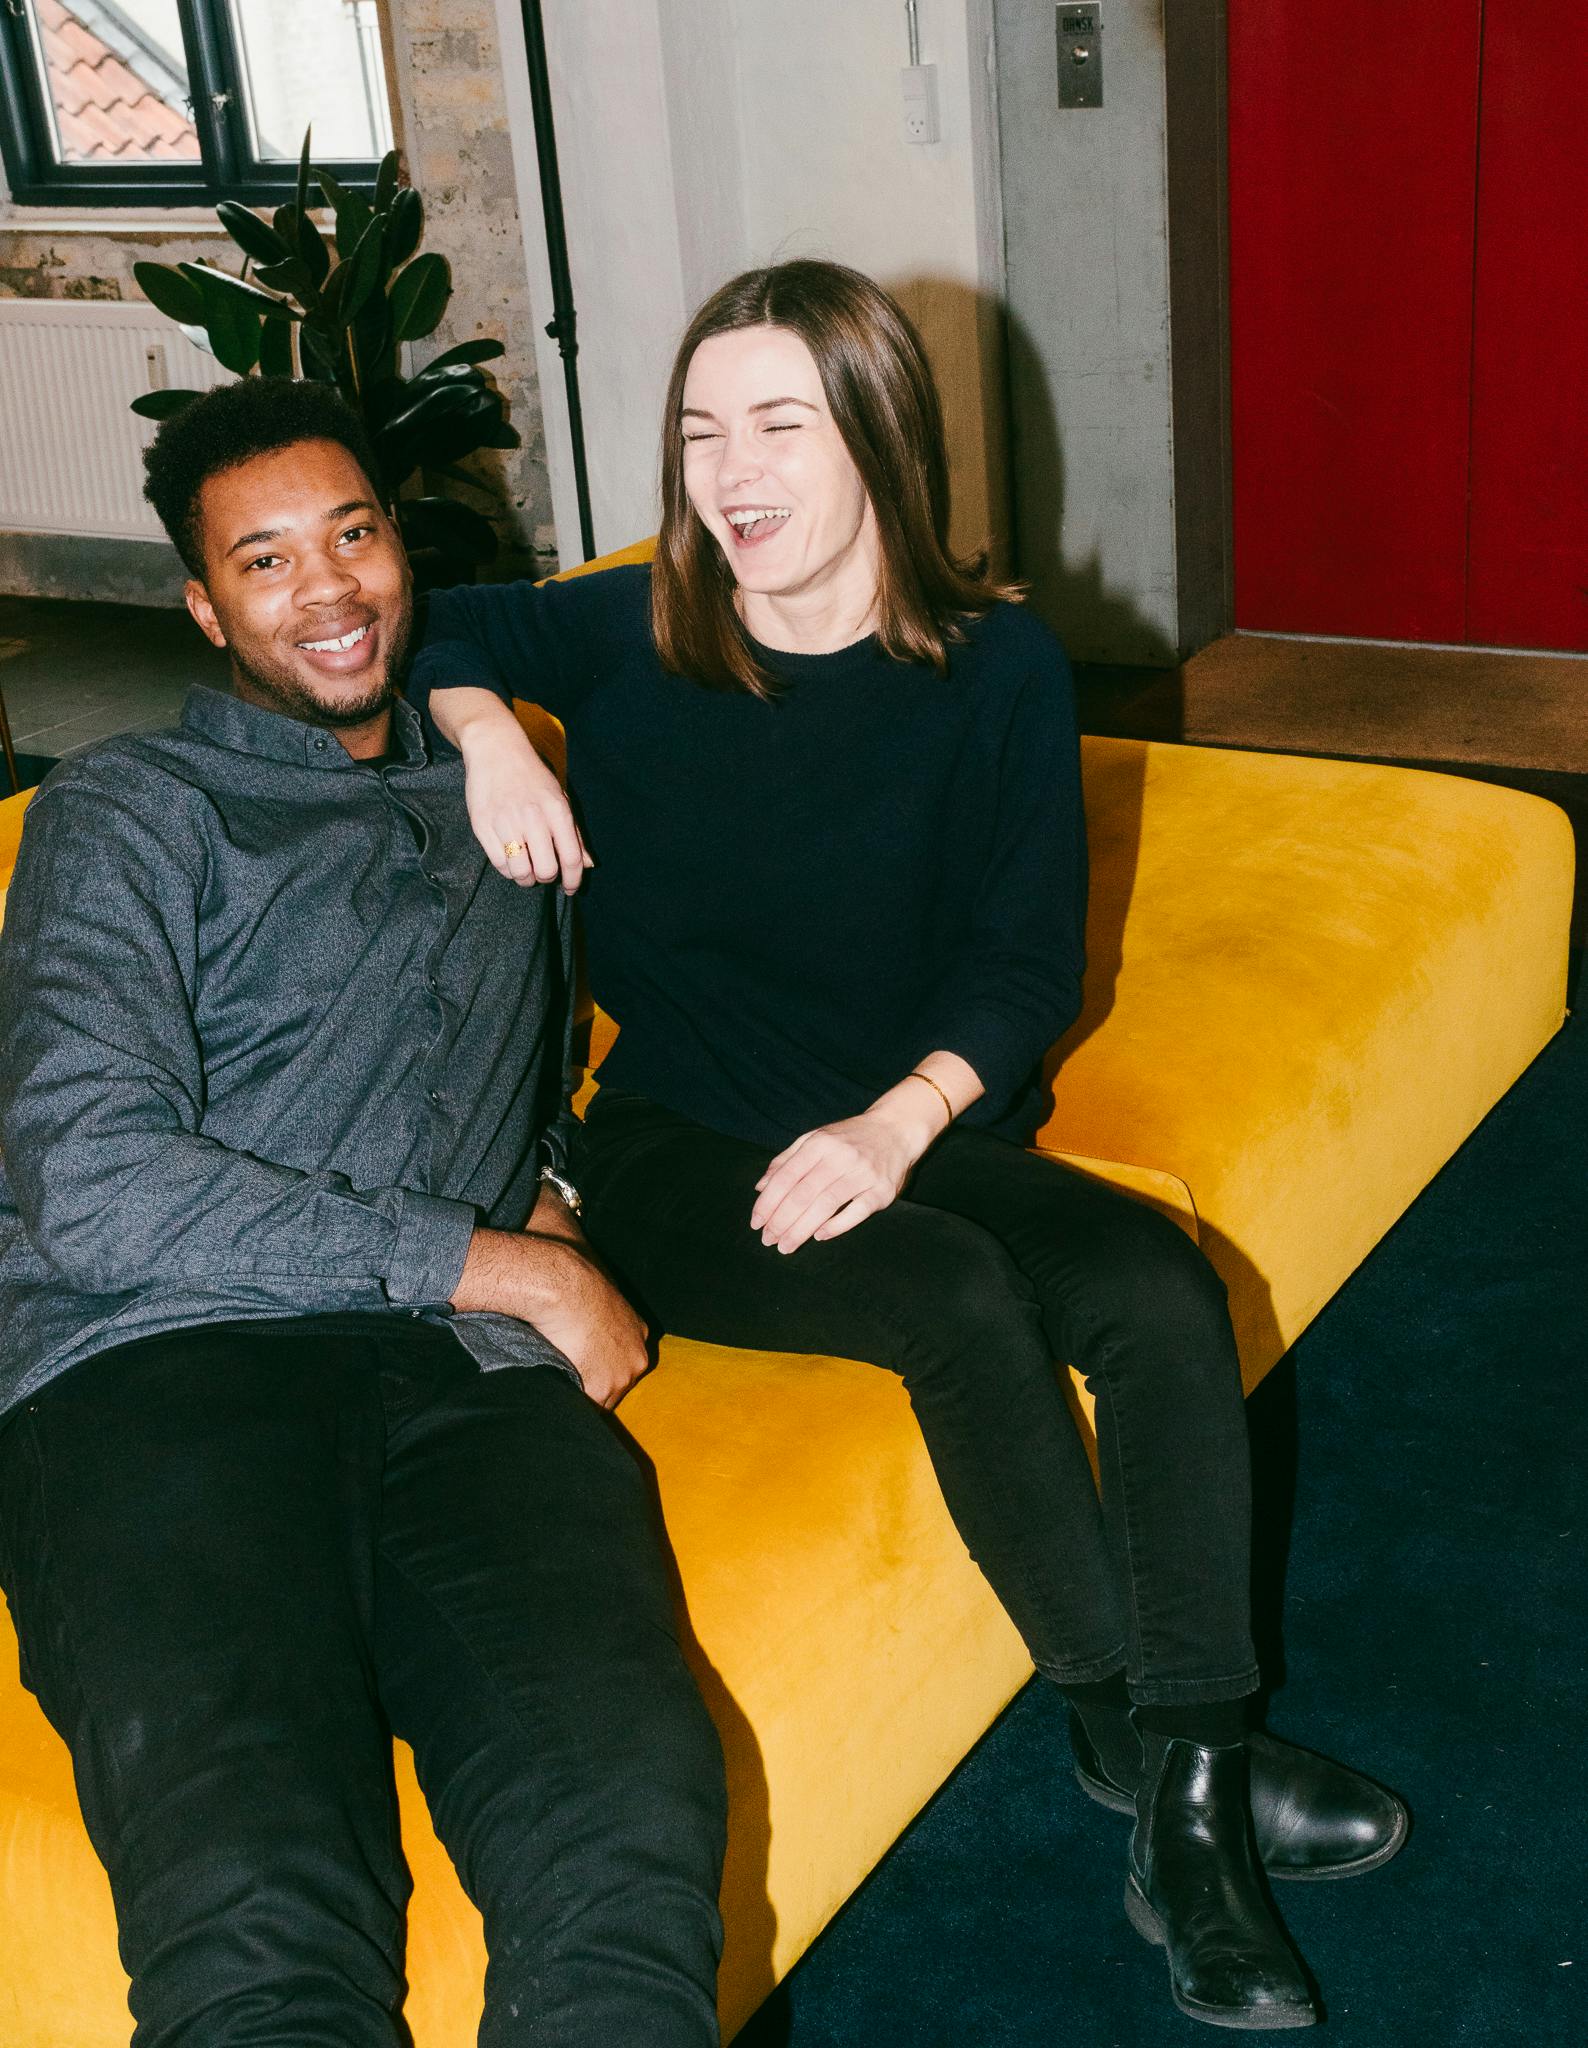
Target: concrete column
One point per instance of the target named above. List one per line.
(1118, 350)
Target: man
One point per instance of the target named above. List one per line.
(302, 1355)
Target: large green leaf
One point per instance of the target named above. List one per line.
(254, 236)
(168, 290)
(405, 223)
(386, 180)
(419, 297)
(265, 304)
(317, 358)
(163, 405)
(351, 208)
(291, 275)
(427, 403)
(301, 232)
(443, 523)
(275, 349)
(373, 342)
(365, 272)
(234, 334)
(476, 424)
(230, 321)
(330, 186)
(450, 373)
(482, 351)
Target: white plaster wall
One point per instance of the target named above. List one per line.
(828, 173)
(699, 137)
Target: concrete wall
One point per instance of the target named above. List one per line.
(1117, 350)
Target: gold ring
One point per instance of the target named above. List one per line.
(513, 846)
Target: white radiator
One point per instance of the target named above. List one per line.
(69, 448)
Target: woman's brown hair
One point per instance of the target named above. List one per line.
(884, 403)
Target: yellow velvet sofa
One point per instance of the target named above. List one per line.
(1309, 980)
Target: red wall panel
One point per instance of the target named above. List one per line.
(1528, 562)
(1353, 151)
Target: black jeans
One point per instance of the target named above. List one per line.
(240, 1558)
(996, 1263)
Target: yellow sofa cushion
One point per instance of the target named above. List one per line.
(1307, 982)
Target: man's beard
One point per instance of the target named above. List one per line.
(277, 685)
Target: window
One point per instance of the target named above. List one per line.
(179, 102)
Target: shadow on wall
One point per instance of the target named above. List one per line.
(1096, 622)
(1006, 458)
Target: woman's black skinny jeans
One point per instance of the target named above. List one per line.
(996, 1263)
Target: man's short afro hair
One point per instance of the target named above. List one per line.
(232, 424)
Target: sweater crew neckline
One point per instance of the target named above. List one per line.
(839, 661)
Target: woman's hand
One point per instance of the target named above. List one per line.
(831, 1179)
(513, 798)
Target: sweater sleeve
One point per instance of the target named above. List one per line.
(513, 639)
(102, 1091)
(1014, 984)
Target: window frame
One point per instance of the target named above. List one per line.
(226, 169)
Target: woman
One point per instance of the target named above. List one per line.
(830, 774)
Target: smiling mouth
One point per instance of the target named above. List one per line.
(752, 523)
(339, 646)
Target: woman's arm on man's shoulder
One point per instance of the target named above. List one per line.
(476, 648)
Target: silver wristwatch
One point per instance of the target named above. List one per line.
(559, 1182)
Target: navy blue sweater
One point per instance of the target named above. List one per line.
(796, 901)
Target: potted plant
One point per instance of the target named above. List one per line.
(340, 311)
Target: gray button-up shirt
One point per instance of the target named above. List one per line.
(274, 1038)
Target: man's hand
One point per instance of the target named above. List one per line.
(513, 798)
(550, 1279)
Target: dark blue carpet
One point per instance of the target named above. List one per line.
(1430, 1426)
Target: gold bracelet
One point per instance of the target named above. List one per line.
(915, 1074)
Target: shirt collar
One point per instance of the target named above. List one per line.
(246, 728)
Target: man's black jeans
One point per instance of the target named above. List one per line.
(240, 1558)
(995, 1264)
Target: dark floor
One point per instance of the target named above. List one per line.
(76, 673)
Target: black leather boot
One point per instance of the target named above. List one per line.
(1195, 1889)
(1313, 1818)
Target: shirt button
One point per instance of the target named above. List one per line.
(435, 1097)
(433, 984)
(319, 745)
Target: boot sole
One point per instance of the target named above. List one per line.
(1121, 1802)
(1271, 2019)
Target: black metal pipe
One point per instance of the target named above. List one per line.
(563, 327)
